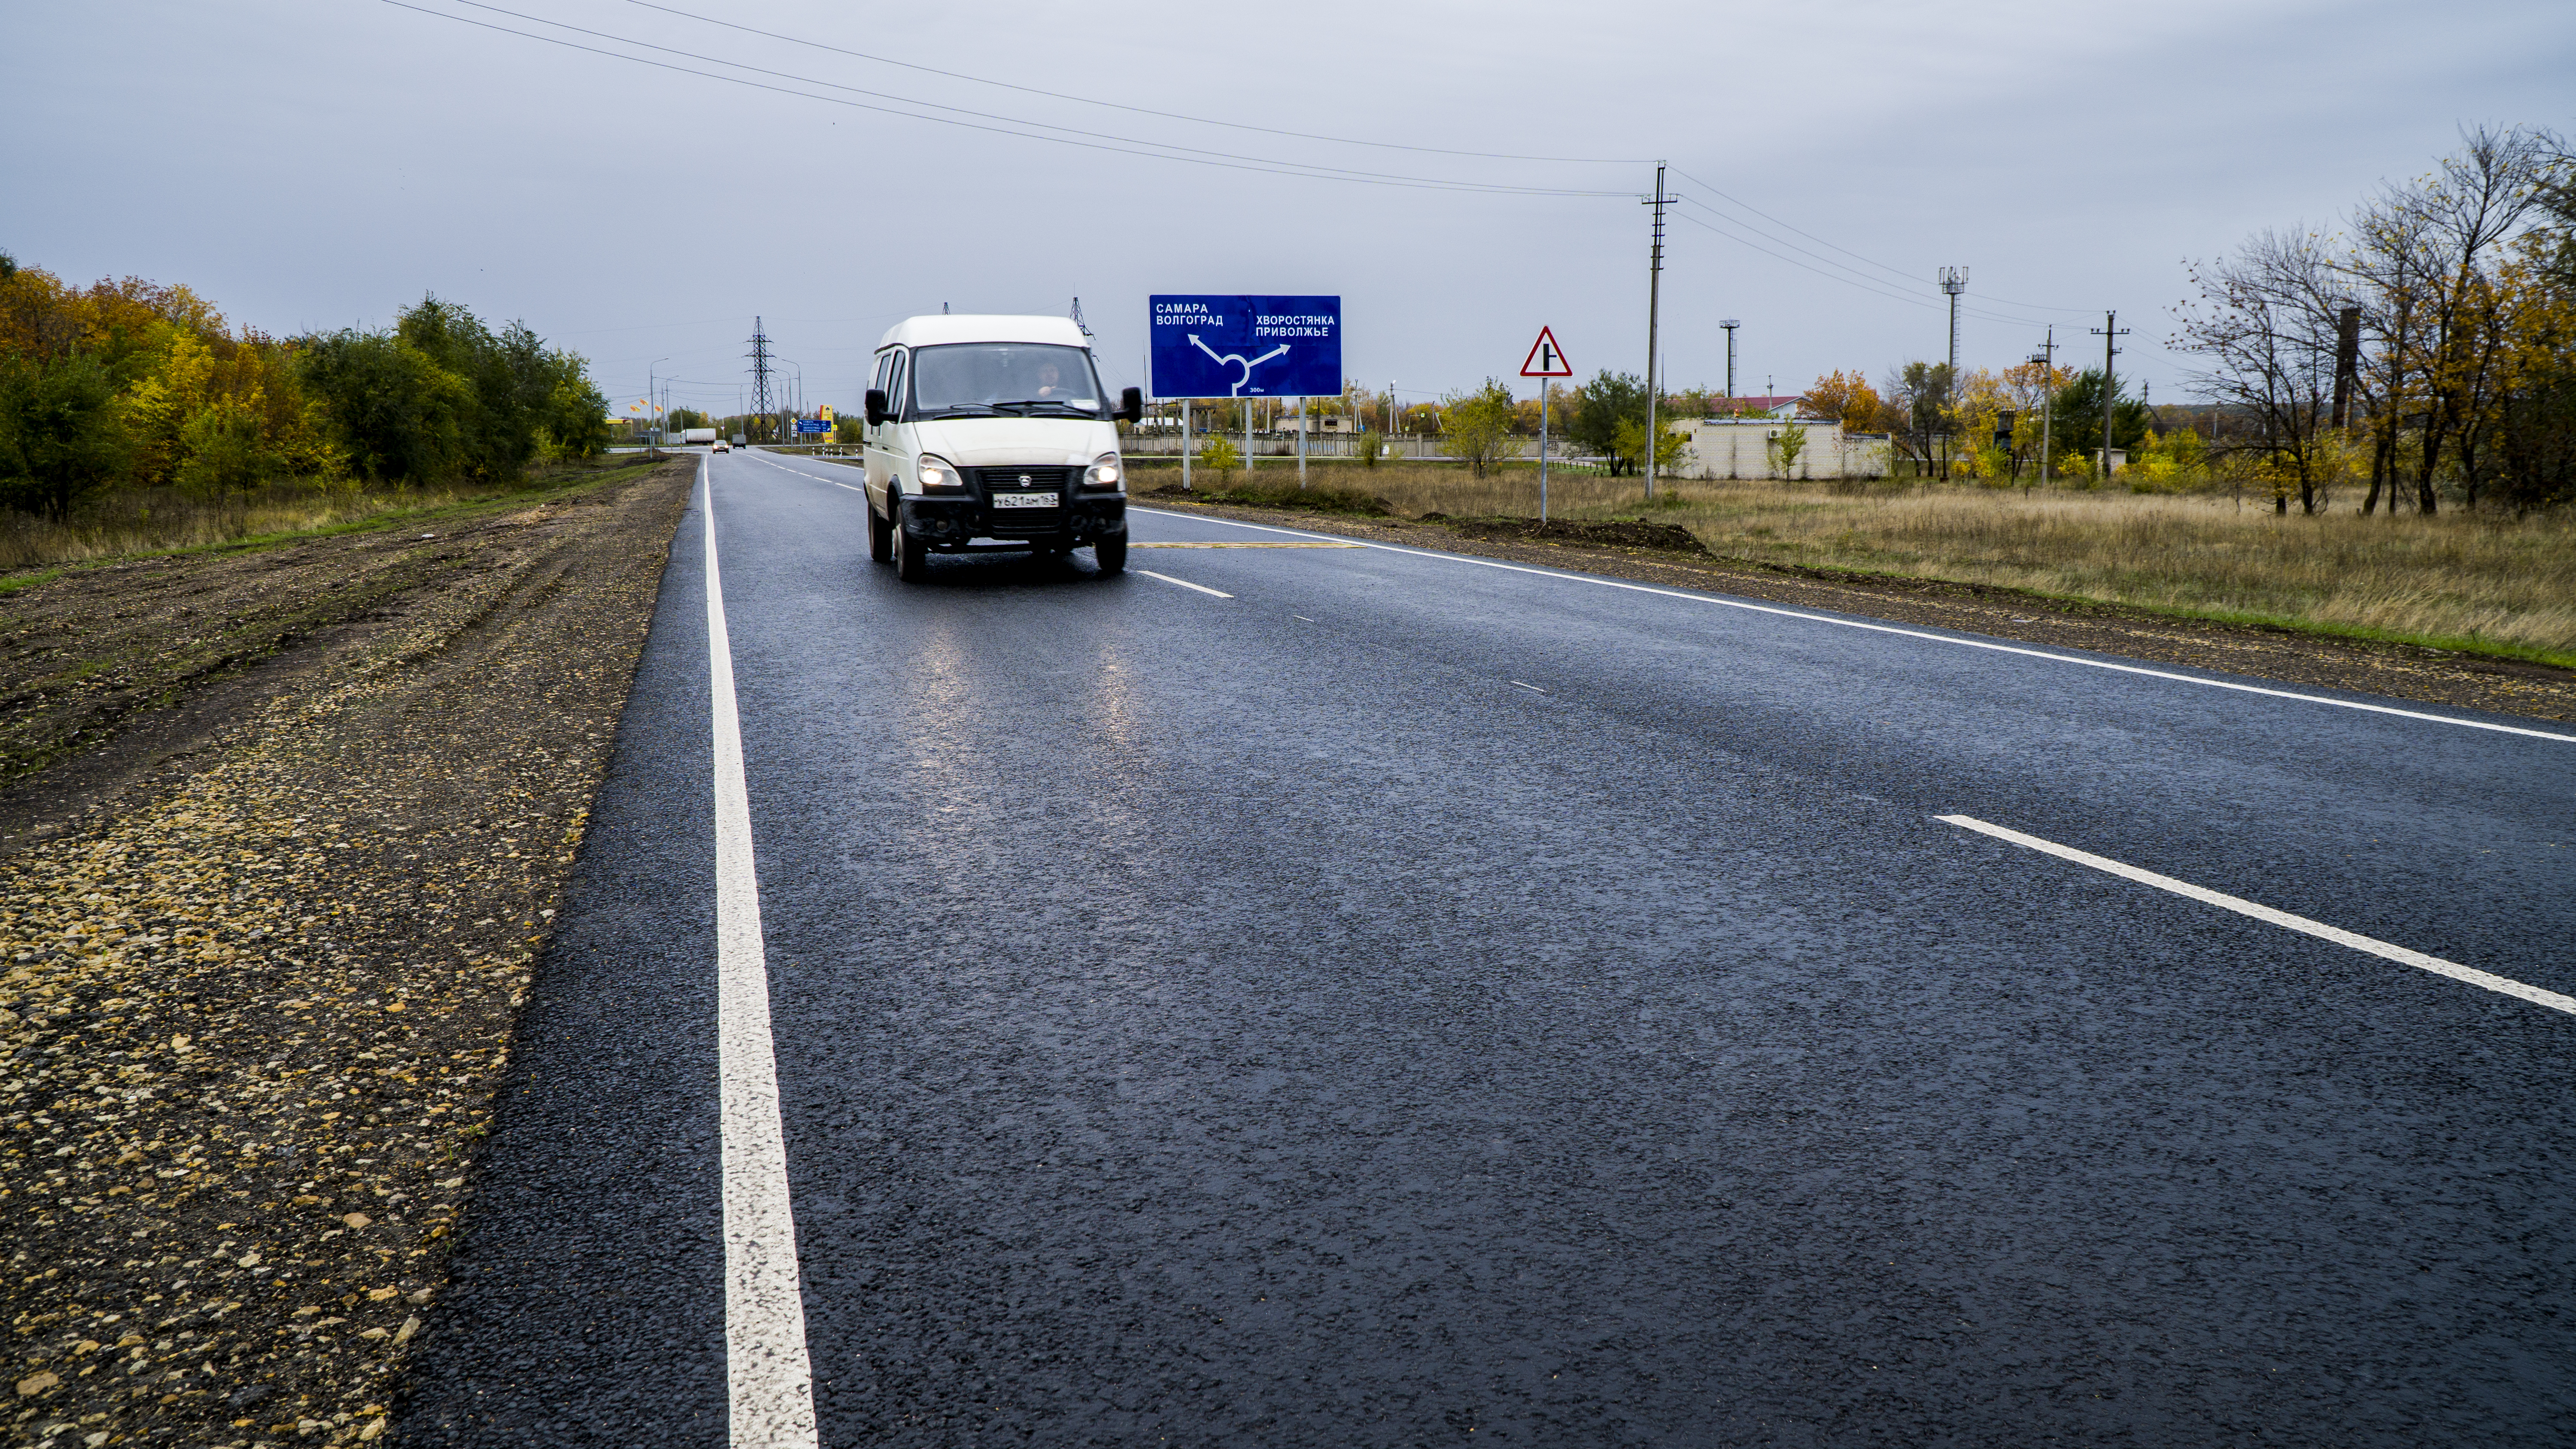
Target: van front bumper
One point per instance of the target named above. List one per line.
(953, 523)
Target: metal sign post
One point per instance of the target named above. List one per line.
(1546, 360)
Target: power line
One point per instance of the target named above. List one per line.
(1138, 110)
(1159, 151)
(928, 105)
(1802, 266)
(1811, 236)
(1897, 272)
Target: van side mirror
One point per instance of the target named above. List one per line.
(1131, 405)
(876, 406)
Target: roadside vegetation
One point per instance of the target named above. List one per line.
(134, 417)
(2490, 581)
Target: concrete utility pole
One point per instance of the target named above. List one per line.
(1654, 314)
(2110, 332)
(2047, 361)
(1730, 324)
(1954, 280)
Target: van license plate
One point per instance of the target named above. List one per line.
(1024, 500)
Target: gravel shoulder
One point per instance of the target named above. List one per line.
(2400, 671)
(272, 896)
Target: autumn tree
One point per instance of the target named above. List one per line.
(1600, 406)
(61, 440)
(1845, 398)
(1478, 425)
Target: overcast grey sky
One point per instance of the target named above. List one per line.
(317, 163)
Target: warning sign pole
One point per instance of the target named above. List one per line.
(1546, 360)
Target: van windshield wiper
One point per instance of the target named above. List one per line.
(966, 410)
(1046, 402)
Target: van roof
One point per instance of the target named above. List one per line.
(932, 331)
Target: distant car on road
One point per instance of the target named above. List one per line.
(722, 446)
(978, 429)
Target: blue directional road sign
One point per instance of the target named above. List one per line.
(812, 425)
(1217, 346)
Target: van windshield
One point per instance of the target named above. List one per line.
(978, 379)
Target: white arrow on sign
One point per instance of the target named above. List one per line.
(1237, 359)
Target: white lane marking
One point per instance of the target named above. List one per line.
(2474, 724)
(2341, 937)
(1525, 686)
(801, 473)
(1301, 616)
(1300, 544)
(768, 1377)
(1184, 583)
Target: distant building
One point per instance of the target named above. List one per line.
(1769, 407)
(1751, 447)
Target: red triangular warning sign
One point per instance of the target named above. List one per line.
(1546, 359)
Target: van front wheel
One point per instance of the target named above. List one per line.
(911, 556)
(1111, 553)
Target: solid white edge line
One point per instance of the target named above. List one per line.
(2341, 937)
(769, 1378)
(1185, 583)
(2474, 724)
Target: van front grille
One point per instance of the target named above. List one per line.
(1020, 480)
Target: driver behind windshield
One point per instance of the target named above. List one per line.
(998, 375)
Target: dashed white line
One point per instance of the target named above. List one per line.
(2474, 724)
(817, 477)
(1531, 687)
(1185, 583)
(2341, 937)
(769, 1377)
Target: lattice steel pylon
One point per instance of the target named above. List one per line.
(759, 370)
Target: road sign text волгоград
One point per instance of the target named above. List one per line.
(812, 425)
(1236, 346)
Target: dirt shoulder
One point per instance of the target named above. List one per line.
(266, 924)
(2401, 671)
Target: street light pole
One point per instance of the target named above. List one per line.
(653, 431)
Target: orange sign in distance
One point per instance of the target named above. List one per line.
(1546, 359)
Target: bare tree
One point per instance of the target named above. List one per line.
(2265, 324)
(2424, 259)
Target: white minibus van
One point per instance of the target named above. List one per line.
(989, 433)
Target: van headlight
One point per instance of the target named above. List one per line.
(938, 473)
(1103, 473)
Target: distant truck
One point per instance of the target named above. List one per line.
(698, 435)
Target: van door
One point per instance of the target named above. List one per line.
(878, 458)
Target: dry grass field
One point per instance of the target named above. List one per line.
(158, 520)
(2484, 581)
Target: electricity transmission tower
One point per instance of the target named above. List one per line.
(1954, 280)
(759, 370)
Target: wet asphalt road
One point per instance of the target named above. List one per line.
(1410, 1002)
